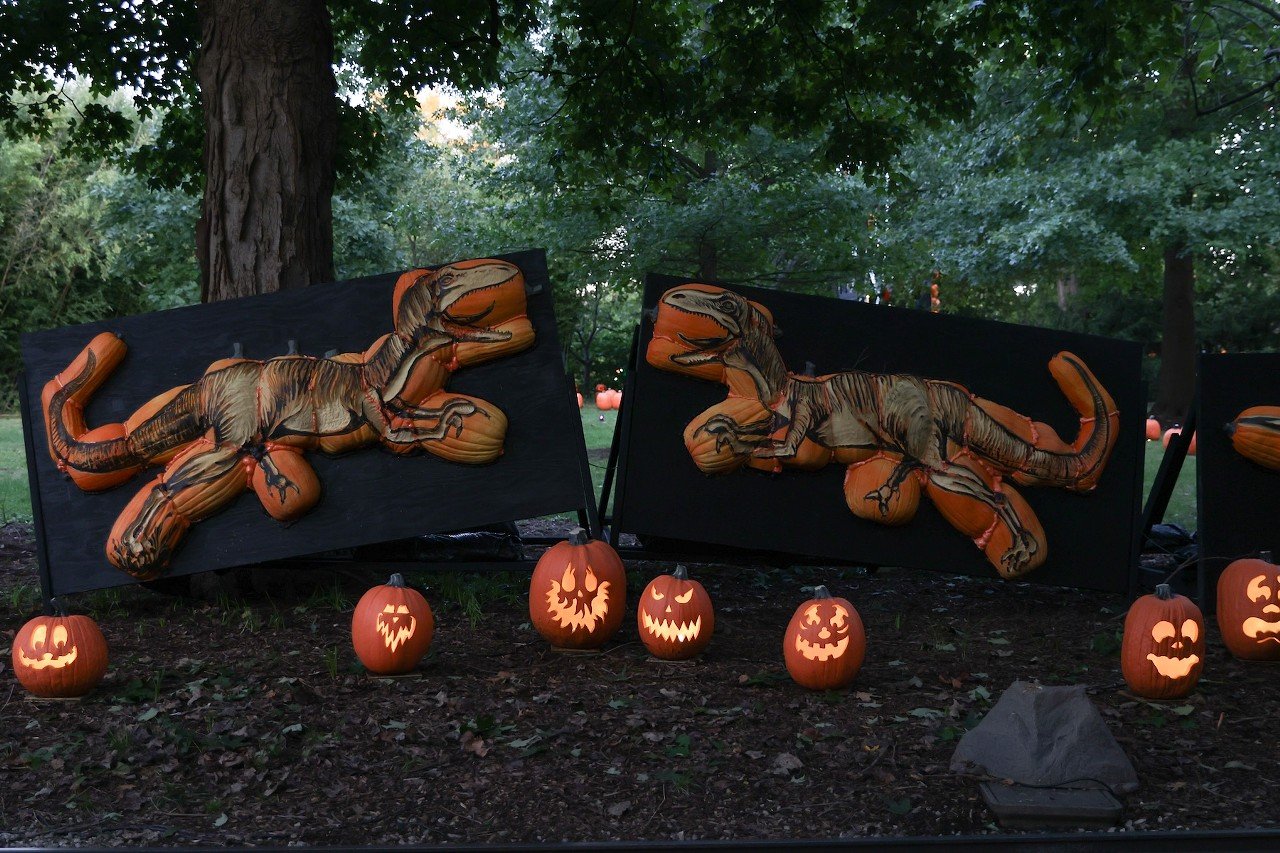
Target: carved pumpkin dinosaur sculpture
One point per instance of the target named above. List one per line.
(899, 435)
(1255, 435)
(245, 425)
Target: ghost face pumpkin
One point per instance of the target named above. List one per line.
(392, 628)
(1162, 651)
(59, 656)
(1249, 608)
(675, 618)
(824, 643)
(578, 593)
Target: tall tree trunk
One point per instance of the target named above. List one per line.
(268, 93)
(1177, 382)
(1068, 290)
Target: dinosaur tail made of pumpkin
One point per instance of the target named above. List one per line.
(1031, 451)
(107, 455)
(1255, 435)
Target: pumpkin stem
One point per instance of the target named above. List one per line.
(681, 573)
(397, 580)
(821, 591)
(578, 536)
(1164, 592)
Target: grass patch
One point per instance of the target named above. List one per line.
(15, 499)
(1182, 503)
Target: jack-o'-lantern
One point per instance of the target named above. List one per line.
(578, 593)
(392, 628)
(1162, 651)
(824, 643)
(1249, 608)
(59, 656)
(675, 617)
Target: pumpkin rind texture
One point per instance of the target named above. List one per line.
(1255, 435)
(675, 617)
(825, 642)
(1249, 608)
(578, 593)
(59, 656)
(392, 628)
(1162, 650)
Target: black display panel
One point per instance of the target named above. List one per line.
(1238, 500)
(662, 494)
(369, 495)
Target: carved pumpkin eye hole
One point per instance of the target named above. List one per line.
(60, 635)
(1257, 591)
(1163, 630)
(39, 635)
(390, 608)
(566, 582)
(684, 599)
(811, 616)
(1190, 630)
(657, 596)
(590, 581)
(403, 608)
(838, 620)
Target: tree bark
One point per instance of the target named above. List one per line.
(1177, 381)
(265, 70)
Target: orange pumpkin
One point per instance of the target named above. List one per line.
(1249, 608)
(392, 628)
(59, 656)
(604, 398)
(578, 593)
(1255, 435)
(1171, 432)
(824, 643)
(863, 482)
(675, 617)
(1162, 651)
(1153, 429)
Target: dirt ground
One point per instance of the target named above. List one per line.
(248, 720)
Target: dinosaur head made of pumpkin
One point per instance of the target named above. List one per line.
(706, 331)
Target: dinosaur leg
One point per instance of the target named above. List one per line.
(452, 426)
(884, 489)
(285, 482)
(196, 484)
(977, 503)
(721, 438)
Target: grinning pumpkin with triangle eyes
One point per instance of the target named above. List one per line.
(578, 593)
(825, 642)
(1162, 651)
(675, 617)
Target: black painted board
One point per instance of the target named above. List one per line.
(369, 495)
(1090, 537)
(1238, 500)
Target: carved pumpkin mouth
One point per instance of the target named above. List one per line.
(821, 651)
(1173, 667)
(574, 610)
(669, 631)
(1253, 626)
(393, 631)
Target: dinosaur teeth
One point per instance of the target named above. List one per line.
(672, 631)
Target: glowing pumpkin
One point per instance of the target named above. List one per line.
(392, 628)
(824, 643)
(59, 656)
(675, 617)
(1162, 651)
(578, 593)
(1249, 608)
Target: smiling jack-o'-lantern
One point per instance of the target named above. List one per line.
(392, 628)
(1249, 608)
(578, 593)
(824, 643)
(1162, 651)
(59, 656)
(675, 617)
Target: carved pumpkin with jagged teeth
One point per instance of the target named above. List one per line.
(675, 617)
(1249, 608)
(392, 628)
(578, 592)
(825, 642)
